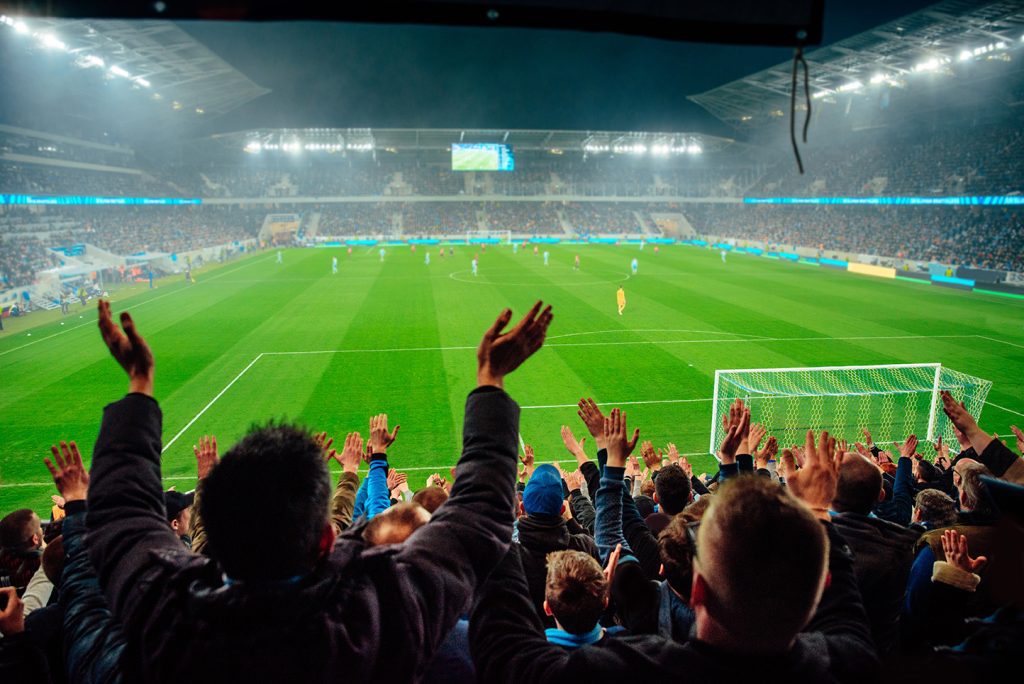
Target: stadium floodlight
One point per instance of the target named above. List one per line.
(877, 78)
(892, 401)
(89, 61)
(694, 148)
(118, 71)
(966, 55)
(1000, 45)
(821, 93)
(253, 146)
(21, 27)
(142, 82)
(53, 42)
(850, 87)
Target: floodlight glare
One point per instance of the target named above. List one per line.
(851, 87)
(21, 27)
(694, 149)
(142, 82)
(118, 71)
(51, 41)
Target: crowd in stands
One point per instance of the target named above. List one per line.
(30, 179)
(603, 217)
(446, 218)
(982, 237)
(534, 218)
(360, 218)
(21, 258)
(823, 561)
(955, 159)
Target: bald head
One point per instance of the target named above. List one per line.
(396, 524)
(859, 487)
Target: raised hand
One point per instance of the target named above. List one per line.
(908, 448)
(757, 433)
(737, 427)
(787, 464)
(528, 460)
(392, 479)
(673, 453)
(867, 438)
(762, 457)
(965, 423)
(864, 451)
(68, 471)
(128, 349)
(324, 442)
(500, 353)
(351, 453)
(573, 480)
(575, 447)
(616, 437)
(815, 483)
(632, 467)
(380, 438)
(1020, 438)
(652, 458)
(954, 545)
(685, 465)
(613, 562)
(58, 501)
(206, 455)
(592, 417)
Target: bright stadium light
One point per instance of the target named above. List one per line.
(53, 42)
(821, 93)
(142, 82)
(253, 146)
(88, 61)
(850, 87)
(118, 71)
(21, 27)
(966, 55)
(694, 148)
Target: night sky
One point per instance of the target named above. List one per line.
(341, 75)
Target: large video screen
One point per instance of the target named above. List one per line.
(482, 157)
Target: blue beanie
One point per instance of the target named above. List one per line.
(543, 493)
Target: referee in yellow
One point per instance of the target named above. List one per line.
(620, 296)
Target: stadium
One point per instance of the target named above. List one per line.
(827, 244)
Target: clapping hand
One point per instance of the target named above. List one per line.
(206, 455)
(500, 353)
(68, 471)
(380, 438)
(575, 447)
(616, 437)
(351, 453)
(528, 460)
(815, 483)
(128, 349)
(954, 545)
(737, 426)
(592, 417)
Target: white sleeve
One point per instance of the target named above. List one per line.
(37, 593)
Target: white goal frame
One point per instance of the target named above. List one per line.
(713, 447)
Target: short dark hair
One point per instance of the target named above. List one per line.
(860, 482)
(16, 529)
(926, 471)
(753, 523)
(284, 468)
(936, 507)
(53, 560)
(677, 555)
(673, 488)
(396, 524)
(431, 498)
(644, 505)
(575, 590)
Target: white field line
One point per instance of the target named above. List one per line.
(133, 308)
(993, 339)
(630, 330)
(1003, 408)
(212, 402)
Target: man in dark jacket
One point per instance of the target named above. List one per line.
(883, 551)
(800, 630)
(542, 529)
(285, 601)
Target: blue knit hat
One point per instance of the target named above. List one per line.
(543, 493)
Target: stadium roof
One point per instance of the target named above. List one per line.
(931, 40)
(156, 56)
(594, 142)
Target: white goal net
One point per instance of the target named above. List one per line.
(890, 401)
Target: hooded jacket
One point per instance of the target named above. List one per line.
(539, 535)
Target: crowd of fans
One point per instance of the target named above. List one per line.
(30, 179)
(21, 258)
(356, 219)
(533, 218)
(446, 218)
(825, 561)
(982, 237)
(603, 217)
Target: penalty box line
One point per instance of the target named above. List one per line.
(252, 363)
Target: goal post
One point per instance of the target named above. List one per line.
(891, 401)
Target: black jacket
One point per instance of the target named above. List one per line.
(539, 536)
(508, 644)
(882, 555)
(363, 614)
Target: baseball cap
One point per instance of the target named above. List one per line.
(176, 502)
(543, 493)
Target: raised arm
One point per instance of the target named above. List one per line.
(443, 561)
(378, 497)
(126, 507)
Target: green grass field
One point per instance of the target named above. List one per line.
(254, 340)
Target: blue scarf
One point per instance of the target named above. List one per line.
(562, 638)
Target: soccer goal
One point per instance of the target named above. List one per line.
(891, 401)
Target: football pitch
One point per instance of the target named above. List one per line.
(254, 340)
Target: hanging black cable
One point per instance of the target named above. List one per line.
(792, 110)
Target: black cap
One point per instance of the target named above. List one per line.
(176, 502)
